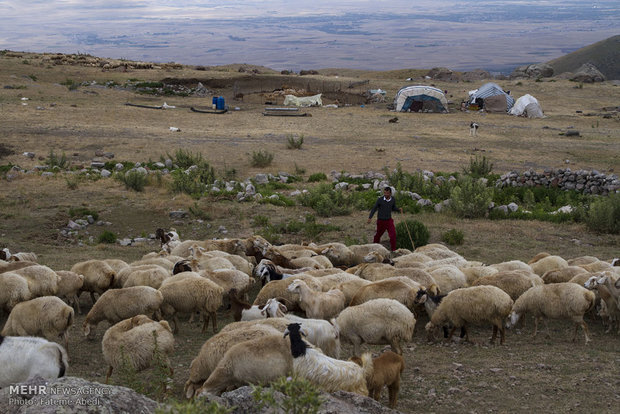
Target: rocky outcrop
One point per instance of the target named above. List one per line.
(443, 74)
(476, 75)
(339, 402)
(71, 395)
(536, 70)
(588, 73)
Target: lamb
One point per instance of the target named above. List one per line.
(376, 322)
(392, 288)
(512, 282)
(42, 281)
(47, 316)
(557, 301)
(37, 357)
(167, 239)
(14, 290)
(329, 374)
(255, 361)
(213, 350)
(548, 263)
(133, 341)
(273, 309)
(561, 275)
(116, 305)
(98, 276)
(192, 295)
(69, 286)
(474, 305)
(386, 371)
(318, 305)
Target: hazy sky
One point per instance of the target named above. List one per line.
(292, 34)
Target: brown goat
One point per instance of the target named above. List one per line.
(387, 369)
(237, 305)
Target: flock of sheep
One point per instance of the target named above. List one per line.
(361, 294)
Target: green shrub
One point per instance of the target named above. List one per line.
(70, 84)
(478, 167)
(316, 177)
(261, 158)
(107, 237)
(55, 161)
(300, 396)
(604, 214)
(299, 171)
(33, 77)
(133, 179)
(185, 159)
(73, 181)
(411, 228)
(470, 198)
(195, 406)
(260, 221)
(453, 237)
(327, 202)
(199, 213)
(295, 143)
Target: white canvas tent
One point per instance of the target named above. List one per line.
(528, 106)
(420, 97)
(314, 100)
(493, 98)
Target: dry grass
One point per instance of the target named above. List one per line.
(550, 375)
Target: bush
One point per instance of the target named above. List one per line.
(316, 177)
(261, 159)
(186, 159)
(294, 143)
(478, 167)
(107, 237)
(604, 215)
(195, 406)
(80, 212)
(133, 179)
(54, 161)
(470, 198)
(453, 237)
(194, 180)
(300, 396)
(327, 202)
(417, 230)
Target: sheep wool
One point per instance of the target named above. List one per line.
(14, 290)
(134, 340)
(475, 305)
(555, 301)
(37, 357)
(376, 322)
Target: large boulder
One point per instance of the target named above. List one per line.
(536, 70)
(476, 75)
(71, 395)
(340, 402)
(588, 73)
(443, 74)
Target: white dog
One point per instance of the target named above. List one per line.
(473, 129)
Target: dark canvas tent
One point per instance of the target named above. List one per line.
(492, 97)
(420, 98)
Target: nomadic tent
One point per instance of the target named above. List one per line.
(420, 98)
(314, 100)
(528, 106)
(492, 98)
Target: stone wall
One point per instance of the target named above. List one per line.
(587, 182)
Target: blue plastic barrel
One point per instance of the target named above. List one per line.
(214, 102)
(220, 103)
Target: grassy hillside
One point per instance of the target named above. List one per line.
(605, 55)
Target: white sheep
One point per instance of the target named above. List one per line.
(14, 290)
(24, 357)
(514, 283)
(133, 342)
(98, 276)
(318, 305)
(47, 316)
(279, 289)
(256, 361)
(272, 309)
(23, 257)
(402, 289)
(564, 274)
(69, 287)
(350, 287)
(376, 322)
(141, 275)
(475, 305)
(512, 265)
(556, 301)
(341, 255)
(448, 278)
(42, 281)
(116, 305)
(547, 263)
(329, 374)
(229, 279)
(213, 350)
(192, 295)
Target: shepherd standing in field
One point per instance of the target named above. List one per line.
(384, 207)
